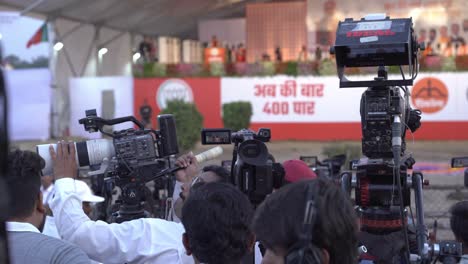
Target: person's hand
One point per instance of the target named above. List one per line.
(64, 160)
(190, 165)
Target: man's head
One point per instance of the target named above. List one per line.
(23, 180)
(459, 221)
(210, 173)
(333, 232)
(217, 218)
(87, 197)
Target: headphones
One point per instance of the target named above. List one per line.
(304, 251)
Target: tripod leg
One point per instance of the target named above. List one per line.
(420, 227)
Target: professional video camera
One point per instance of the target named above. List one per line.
(381, 181)
(251, 170)
(328, 168)
(133, 158)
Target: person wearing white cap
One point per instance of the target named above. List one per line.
(85, 194)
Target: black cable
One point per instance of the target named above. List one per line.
(396, 147)
(400, 194)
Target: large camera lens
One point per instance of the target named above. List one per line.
(90, 152)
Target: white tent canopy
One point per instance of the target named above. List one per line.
(86, 26)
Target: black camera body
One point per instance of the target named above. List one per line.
(329, 168)
(381, 182)
(252, 169)
(141, 155)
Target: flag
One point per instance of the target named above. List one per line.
(41, 35)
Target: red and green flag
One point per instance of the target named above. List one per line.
(41, 35)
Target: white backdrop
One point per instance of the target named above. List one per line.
(86, 93)
(29, 96)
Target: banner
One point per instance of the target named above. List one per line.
(311, 108)
(29, 101)
(203, 92)
(316, 108)
(294, 100)
(112, 97)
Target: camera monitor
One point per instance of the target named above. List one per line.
(372, 42)
(461, 162)
(216, 136)
(311, 161)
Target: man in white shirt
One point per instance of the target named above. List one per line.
(146, 240)
(86, 196)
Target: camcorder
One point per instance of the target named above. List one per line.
(131, 159)
(252, 170)
(381, 180)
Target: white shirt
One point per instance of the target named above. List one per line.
(21, 227)
(175, 196)
(50, 229)
(147, 240)
(47, 194)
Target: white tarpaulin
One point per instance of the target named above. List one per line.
(29, 95)
(112, 97)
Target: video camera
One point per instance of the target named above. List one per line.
(461, 162)
(329, 168)
(132, 158)
(381, 182)
(252, 169)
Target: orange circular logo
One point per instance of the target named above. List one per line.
(429, 95)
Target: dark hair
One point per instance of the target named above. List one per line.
(459, 221)
(216, 218)
(23, 180)
(220, 171)
(278, 222)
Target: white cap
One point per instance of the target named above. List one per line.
(85, 193)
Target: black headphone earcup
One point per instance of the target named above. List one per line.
(313, 255)
(304, 255)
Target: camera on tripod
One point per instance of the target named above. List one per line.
(252, 170)
(131, 159)
(381, 180)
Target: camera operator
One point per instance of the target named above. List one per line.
(459, 226)
(217, 218)
(313, 222)
(27, 216)
(145, 240)
(209, 173)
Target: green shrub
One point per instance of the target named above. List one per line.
(189, 123)
(217, 69)
(236, 115)
(327, 67)
(268, 68)
(448, 64)
(291, 68)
